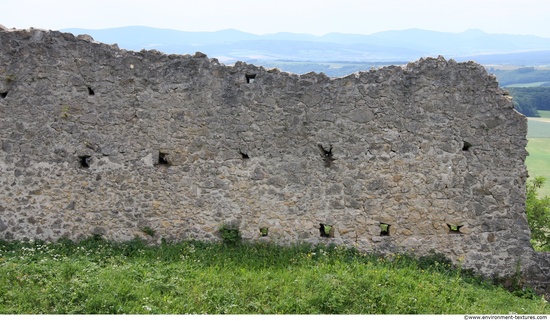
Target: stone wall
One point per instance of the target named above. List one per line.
(98, 140)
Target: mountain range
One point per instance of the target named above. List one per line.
(232, 45)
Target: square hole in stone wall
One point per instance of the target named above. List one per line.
(84, 161)
(163, 159)
(250, 78)
(454, 229)
(384, 229)
(264, 231)
(326, 230)
(327, 155)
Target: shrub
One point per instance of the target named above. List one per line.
(149, 231)
(538, 215)
(230, 234)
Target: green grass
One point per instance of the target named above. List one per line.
(98, 277)
(532, 84)
(538, 146)
(538, 128)
(538, 162)
(544, 113)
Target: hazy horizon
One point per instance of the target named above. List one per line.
(302, 33)
(516, 17)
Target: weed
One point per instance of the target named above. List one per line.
(148, 230)
(435, 261)
(65, 111)
(230, 234)
(11, 78)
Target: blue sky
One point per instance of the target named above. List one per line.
(267, 16)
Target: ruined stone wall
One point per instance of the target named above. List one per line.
(98, 140)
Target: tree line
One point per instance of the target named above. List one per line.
(525, 75)
(529, 100)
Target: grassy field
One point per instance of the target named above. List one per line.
(97, 277)
(538, 128)
(533, 84)
(538, 161)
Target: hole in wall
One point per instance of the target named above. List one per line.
(454, 229)
(466, 146)
(3, 94)
(84, 161)
(90, 91)
(264, 231)
(163, 159)
(326, 230)
(244, 155)
(250, 78)
(384, 229)
(327, 155)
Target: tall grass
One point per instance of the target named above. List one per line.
(96, 276)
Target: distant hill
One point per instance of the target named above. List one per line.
(335, 54)
(383, 46)
(525, 58)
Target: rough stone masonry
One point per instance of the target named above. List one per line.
(425, 157)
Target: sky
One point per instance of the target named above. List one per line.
(526, 17)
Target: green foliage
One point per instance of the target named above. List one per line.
(521, 75)
(230, 234)
(525, 108)
(95, 276)
(435, 261)
(148, 230)
(528, 100)
(264, 231)
(538, 215)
